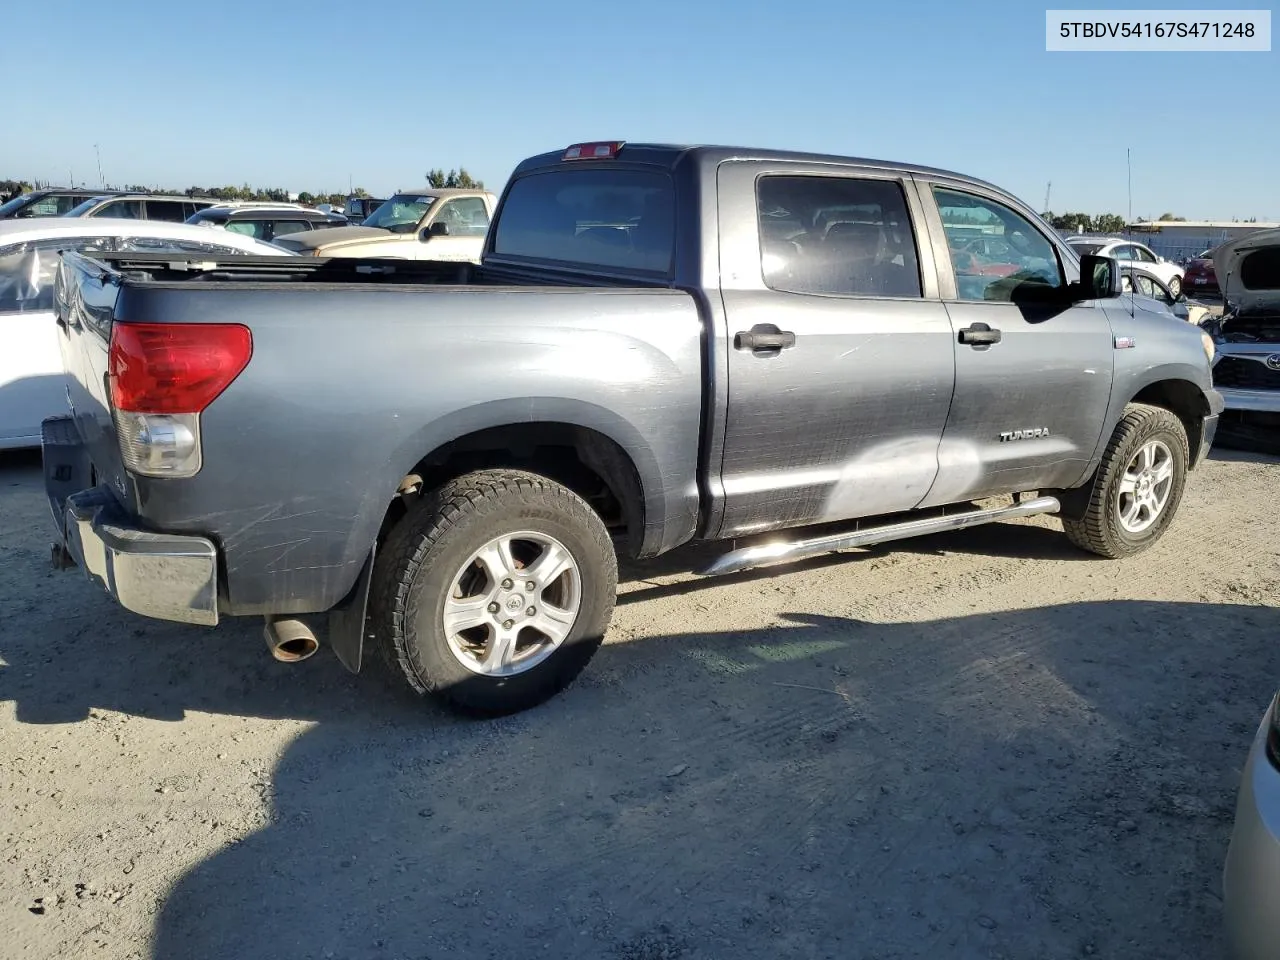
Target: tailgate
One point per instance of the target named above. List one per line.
(84, 302)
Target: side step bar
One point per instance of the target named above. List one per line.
(790, 551)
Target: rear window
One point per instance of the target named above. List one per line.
(602, 218)
(1260, 270)
(1085, 249)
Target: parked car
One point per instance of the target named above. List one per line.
(359, 208)
(1141, 283)
(1251, 876)
(1129, 252)
(1199, 276)
(266, 221)
(32, 385)
(138, 206)
(426, 224)
(1247, 367)
(53, 202)
(661, 344)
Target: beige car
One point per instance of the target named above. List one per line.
(426, 224)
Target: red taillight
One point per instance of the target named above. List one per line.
(602, 150)
(174, 367)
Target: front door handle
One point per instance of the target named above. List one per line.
(764, 337)
(979, 335)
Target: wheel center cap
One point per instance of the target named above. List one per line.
(514, 602)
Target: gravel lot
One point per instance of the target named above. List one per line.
(978, 745)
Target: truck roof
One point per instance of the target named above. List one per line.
(667, 155)
(443, 192)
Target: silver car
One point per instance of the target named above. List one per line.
(1251, 880)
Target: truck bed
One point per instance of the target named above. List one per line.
(350, 387)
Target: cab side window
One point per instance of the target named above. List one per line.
(466, 217)
(837, 236)
(1023, 263)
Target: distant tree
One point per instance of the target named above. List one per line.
(1170, 217)
(1108, 223)
(1071, 222)
(13, 188)
(454, 178)
(305, 197)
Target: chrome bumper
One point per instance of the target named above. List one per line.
(166, 576)
(1251, 877)
(1253, 401)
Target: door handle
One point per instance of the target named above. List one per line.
(764, 337)
(979, 334)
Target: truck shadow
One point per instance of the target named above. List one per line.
(967, 787)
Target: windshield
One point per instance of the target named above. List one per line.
(21, 200)
(1084, 249)
(402, 213)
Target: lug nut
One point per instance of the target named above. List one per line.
(530, 586)
(507, 584)
(532, 612)
(508, 624)
(493, 607)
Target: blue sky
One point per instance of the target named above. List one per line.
(303, 94)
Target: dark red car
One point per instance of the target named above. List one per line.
(1198, 276)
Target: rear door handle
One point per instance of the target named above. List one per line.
(764, 337)
(979, 334)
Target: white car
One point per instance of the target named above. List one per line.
(1131, 254)
(31, 378)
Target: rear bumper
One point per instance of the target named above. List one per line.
(155, 574)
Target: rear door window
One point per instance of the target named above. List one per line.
(122, 210)
(623, 219)
(282, 227)
(837, 236)
(170, 211)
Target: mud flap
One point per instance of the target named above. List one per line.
(347, 620)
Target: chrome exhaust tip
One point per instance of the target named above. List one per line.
(289, 641)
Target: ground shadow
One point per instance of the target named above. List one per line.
(1039, 783)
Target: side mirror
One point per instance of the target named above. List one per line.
(439, 229)
(1100, 278)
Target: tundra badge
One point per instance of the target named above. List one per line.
(1026, 433)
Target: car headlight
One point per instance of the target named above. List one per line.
(1209, 348)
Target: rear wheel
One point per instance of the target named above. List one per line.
(1138, 486)
(494, 591)
(1175, 286)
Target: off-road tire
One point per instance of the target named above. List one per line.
(1099, 530)
(416, 566)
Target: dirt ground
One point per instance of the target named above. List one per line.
(981, 745)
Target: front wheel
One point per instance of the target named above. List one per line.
(494, 591)
(1175, 287)
(1138, 485)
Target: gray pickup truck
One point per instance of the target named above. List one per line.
(661, 344)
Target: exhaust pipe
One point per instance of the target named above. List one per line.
(290, 641)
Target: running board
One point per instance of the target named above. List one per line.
(790, 551)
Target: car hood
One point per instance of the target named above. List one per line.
(1248, 271)
(337, 236)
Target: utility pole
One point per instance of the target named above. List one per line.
(1128, 159)
(1047, 190)
(102, 182)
